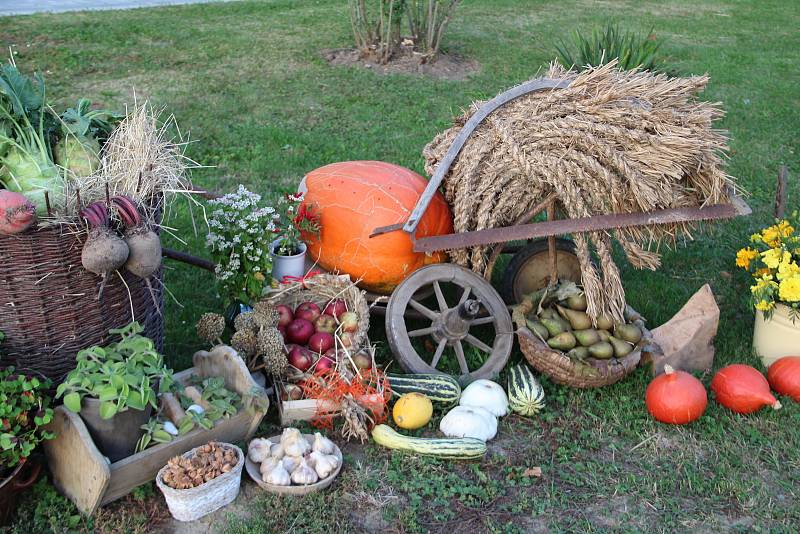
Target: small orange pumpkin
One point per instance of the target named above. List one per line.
(742, 389)
(354, 197)
(676, 397)
(784, 376)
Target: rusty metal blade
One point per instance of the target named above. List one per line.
(386, 229)
(585, 224)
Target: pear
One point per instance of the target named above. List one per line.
(563, 341)
(602, 350)
(578, 353)
(603, 335)
(628, 332)
(553, 327)
(548, 313)
(621, 348)
(604, 322)
(538, 328)
(577, 302)
(587, 337)
(577, 319)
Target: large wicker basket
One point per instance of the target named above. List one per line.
(49, 308)
(321, 288)
(562, 370)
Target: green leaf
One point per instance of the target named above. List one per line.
(107, 410)
(107, 393)
(73, 402)
(135, 400)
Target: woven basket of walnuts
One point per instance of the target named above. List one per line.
(202, 480)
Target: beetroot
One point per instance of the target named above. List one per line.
(17, 213)
(299, 331)
(104, 252)
(144, 244)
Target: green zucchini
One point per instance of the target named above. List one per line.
(525, 394)
(443, 389)
(445, 448)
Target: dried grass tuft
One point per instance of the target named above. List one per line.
(611, 142)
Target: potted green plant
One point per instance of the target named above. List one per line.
(24, 412)
(115, 389)
(773, 259)
(296, 219)
(240, 230)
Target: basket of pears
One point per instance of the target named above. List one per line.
(559, 338)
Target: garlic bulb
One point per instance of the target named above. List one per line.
(277, 476)
(259, 450)
(297, 447)
(276, 451)
(290, 434)
(290, 463)
(304, 475)
(324, 464)
(268, 464)
(322, 444)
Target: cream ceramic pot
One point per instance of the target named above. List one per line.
(776, 337)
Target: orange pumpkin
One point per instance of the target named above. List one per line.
(784, 376)
(354, 197)
(742, 389)
(676, 397)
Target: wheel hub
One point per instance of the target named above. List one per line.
(453, 324)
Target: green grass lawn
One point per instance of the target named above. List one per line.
(247, 80)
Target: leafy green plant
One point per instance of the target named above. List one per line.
(23, 413)
(632, 50)
(122, 375)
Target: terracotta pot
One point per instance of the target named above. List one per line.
(21, 478)
(777, 337)
(116, 437)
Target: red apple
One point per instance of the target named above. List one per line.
(300, 358)
(349, 321)
(346, 339)
(282, 330)
(335, 307)
(324, 364)
(308, 311)
(285, 315)
(363, 360)
(321, 342)
(299, 331)
(326, 323)
(331, 353)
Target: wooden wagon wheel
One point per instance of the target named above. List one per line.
(530, 268)
(476, 304)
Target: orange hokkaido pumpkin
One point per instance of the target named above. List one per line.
(742, 389)
(784, 376)
(354, 197)
(676, 397)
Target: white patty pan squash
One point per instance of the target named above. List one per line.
(469, 422)
(487, 395)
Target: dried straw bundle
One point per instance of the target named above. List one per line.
(612, 142)
(143, 159)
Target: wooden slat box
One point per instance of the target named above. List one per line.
(84, 475)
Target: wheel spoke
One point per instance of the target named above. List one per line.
(465, 295)
(439, 296)
(424, 310)
(482, 320)
(462, 360)
(421, 332)
(438, 354)
(477, 343)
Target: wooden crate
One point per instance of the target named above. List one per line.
(85, 476)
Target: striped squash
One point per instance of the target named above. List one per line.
(525, 394)
(443, 389)
(446, 448)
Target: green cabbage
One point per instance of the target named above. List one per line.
(78, 154)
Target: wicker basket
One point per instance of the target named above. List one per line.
(321, 288)
(194, 503)
(48, 302)
(562, 370)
